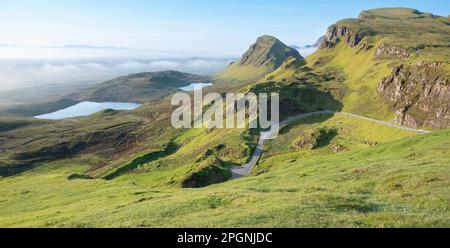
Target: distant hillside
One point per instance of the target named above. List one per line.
(141, 87)
(393, 62)
(263, 57)
(37, 108)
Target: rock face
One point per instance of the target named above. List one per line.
(391, 51)
(336, 33)
(420, 95)
(267, 50)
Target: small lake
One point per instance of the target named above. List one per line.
(195, 86)
(87, 108)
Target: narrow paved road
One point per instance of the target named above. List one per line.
(246, 169)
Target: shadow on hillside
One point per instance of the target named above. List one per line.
(171, 148)
(297, 98)
(25, 145)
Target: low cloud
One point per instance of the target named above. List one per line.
(26, 66)
(306, 51)
(20, 74)
(164, 64)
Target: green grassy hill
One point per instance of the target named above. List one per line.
(367, 50)
(396, 184)
(132, 169)
(141, 87)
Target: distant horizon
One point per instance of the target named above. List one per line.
(195, 27)
(63, 41)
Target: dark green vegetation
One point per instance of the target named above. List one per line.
(34, 101)
(141, 87)
(132, 169)
(142, 160)
(304, 95)
(34, 109)
(213, 171)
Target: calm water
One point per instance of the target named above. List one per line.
(87, 108)
(195, 86)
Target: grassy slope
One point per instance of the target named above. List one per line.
(351, 134)
(362, 76)
(238, 73)
(193, 145)
(400, 183)
(424, 36)
(358, 72)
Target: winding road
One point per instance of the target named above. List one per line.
(246, 169)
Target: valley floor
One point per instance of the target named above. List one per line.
(404, 181)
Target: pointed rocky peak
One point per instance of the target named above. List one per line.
(267, 50)
(263, 57)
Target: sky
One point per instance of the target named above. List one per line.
(195, 26)
(199, 36)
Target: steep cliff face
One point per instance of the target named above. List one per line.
(336, 33)
(420, 95)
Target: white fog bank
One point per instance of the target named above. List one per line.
(22, 67)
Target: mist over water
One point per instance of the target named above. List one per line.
(306, 51)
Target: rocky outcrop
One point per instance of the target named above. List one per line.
(337, 33)
(391, 51)
(420, 95)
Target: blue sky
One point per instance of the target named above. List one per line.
(196, 26)
(197, 36)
